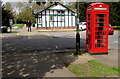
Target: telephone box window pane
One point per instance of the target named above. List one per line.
(100, 37)
(100, 24)
(88, 19)
(100, 33)
(88, 28)
(103, 37)
(97, 45)
(88, 15)
(97, 37)
(103, 41)
(100, 28)
(103, 45)
(100, 20)
(101, 15)
(88, 23)
(98, 41)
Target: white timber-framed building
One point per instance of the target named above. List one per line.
(56, 16)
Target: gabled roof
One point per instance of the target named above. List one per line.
(56, 3)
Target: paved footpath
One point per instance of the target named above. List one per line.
(24, 31)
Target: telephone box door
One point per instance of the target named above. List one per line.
(101, 33)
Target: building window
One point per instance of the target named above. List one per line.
(51, 18)
(39, 21)
(63, 18)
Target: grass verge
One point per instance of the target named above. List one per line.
(93, 69)
(18, 25)
(13, 32)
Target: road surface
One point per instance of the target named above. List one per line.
(33, 56)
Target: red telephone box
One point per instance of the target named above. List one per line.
(97, 18)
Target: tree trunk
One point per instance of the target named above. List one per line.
(15, 20)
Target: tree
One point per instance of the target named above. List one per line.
(6, 15)
(71, 5)
(15, 17)
(8, 6)
(26, 15)
(41, 3)
(38, 3)
(35, 7)
(50, 3)
(19, 5)
(114, 13)
(83, 7)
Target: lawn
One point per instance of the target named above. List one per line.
(13, 32)
(93, 69)
(18, 25)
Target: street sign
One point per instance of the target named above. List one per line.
(10, 22)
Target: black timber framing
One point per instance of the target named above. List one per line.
(49, 18)
(64, 19)
(68, 18)
(57, 19)
(61, 20)
(53, 18)
(41, 20)
(45, 20)
(37, 21)
(71, 20)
